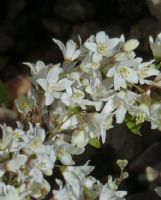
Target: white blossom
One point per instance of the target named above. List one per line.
(70, 51)
(53, 86)
(15, 164)
(9, 192)
(146, 70)
(120, 103)
(102, 44)
(156, 46)
(123, 73)
(72, 104)
(107, 193)
(130, 45)
(77, 98)
(65, 150)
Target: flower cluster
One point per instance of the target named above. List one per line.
(72, 104)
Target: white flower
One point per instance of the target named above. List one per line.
(69, 123)
(36, 136)
(156, 46)
(98, 124)
(75, 176)
(36, 175)
(15, 163)
(80, 136)
(109, 191)
(77, 98)
(106, 193)
(79, 172)
(120, 103)
(8, 192)
(91, 62)
(39, 190)
(45, 159)
(12, 139)
(100, 90)
(123, 73)
(6, 138)
(89, 185)
(64, 193)
(25, 104)
(140, 112)
(52, 86)
(73, 180)
(70, 52)
(130, 45)
(145, 70)
(65, 150)
(38, 70)
(101, 44)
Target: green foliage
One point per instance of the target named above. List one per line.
(94, 142)
(130, 122)
(74, 110)
(158, 66)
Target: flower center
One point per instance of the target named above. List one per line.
(140, 117)
(143, 73)
(123, 71)
(79, 95)
(101, 48)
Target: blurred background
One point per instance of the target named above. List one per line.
(28, 26)
(26, 31)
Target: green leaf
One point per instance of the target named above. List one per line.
(75, 110)
(94, 142)
(158, 66)
(3, 94)
(131, 124)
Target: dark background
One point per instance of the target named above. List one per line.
(28, 26)
(26, 31)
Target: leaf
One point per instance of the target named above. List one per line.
(158, 66)
(94, 142)
(75, 110)
(131, 124)
(3, 94)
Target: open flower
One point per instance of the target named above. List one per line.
(75, 177)
(145, 70)
(65, 150)
(14, 164)
(8, 192)
(52, 86)
(70, 51)
(119, 104)
(123, 73)
(77, 98)
(45, 159)
(98, 124)
(108, 193)
(102, 44)
(38, 70)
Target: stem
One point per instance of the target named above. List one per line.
(57, 129)
(138, 88)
